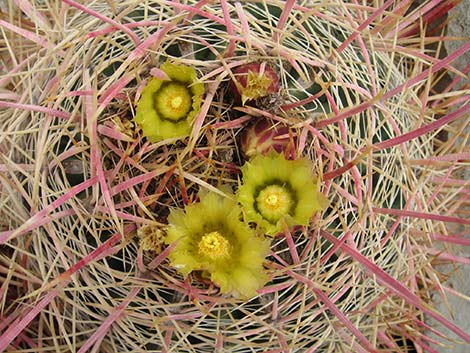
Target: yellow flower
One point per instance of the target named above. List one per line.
(167, 108)
(211, 237)
(276, 192)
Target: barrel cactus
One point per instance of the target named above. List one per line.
(203, 176)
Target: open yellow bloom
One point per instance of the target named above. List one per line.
(167, 108)
(277, 192)
(211, 237)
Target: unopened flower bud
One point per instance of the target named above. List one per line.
(265, 136)
(254, 81)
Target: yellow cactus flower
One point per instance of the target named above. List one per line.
(211, 237)
(277, 192)
(167, 108)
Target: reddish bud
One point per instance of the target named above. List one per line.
(264, 136)
(254, 81)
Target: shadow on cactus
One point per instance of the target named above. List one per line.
(165, 168)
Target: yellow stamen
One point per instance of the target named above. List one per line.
(176, 102)
(214, 245)
(273, 202)
(173, 101)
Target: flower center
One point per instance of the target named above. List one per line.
(214, 245)
(273, 202)
(176, 102)
(173, 101)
